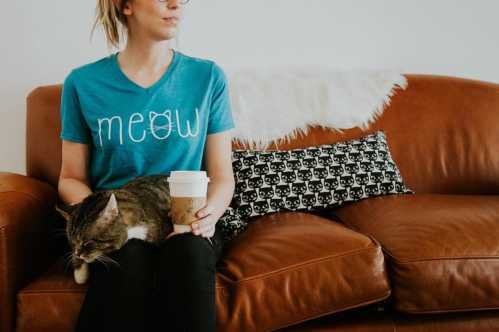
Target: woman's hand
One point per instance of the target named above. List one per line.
(218, 199)
(209, 215)
(204, 226)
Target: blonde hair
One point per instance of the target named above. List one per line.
(110, 16)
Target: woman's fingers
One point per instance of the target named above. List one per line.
(211, 232)
(204, 226)
(205, 230)
(208, 232)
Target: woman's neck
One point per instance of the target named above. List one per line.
(145, 55)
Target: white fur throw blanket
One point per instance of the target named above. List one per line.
(272, 103)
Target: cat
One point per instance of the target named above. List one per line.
(106, 219)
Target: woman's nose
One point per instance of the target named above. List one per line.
(172, 3)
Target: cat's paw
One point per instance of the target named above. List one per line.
(81, 274)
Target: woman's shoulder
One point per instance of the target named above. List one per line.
(207, 65)
(92, 68)
(194, 60)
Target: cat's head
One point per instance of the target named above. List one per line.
(94, 226)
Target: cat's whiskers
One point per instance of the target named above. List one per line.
(99, 259)
(68, 259)
(109, 259)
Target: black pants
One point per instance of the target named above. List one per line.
(167, 288)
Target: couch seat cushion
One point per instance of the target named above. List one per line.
(286, 268)
(289, 267)
(443, 249)
(51, 302)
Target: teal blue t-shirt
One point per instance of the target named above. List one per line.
(134, 131)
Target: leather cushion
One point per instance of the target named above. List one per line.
(371, 319)
(443, 250)
(286, 268)
(289, 267)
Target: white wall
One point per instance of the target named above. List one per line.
(43, 40)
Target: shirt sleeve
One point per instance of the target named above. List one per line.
(73, 125)
(220, 117)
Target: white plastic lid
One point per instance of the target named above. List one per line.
(188, 183)
(188, 176)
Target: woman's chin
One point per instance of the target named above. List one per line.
(163, 38)
(166, 34)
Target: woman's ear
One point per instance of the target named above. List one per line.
(122, 6)
(125, 8)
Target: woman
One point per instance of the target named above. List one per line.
(148, 109)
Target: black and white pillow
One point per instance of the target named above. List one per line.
(232, 224)
(312, 178)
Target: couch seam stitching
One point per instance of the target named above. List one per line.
(298, 266)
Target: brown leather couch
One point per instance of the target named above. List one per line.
(423, 262)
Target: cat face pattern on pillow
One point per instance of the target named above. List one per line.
(313, 178)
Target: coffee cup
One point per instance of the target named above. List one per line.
(188, 190)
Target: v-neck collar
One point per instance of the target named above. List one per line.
(159, 82)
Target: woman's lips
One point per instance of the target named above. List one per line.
(172, 20)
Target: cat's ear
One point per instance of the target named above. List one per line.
(111, 210)
(65, 209)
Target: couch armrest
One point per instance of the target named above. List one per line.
(26, 248)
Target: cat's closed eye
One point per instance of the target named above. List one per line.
(89, 244)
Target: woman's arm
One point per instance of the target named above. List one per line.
(221, 186)
(73, 185)
(73, 191)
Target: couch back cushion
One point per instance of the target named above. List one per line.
(442, 133)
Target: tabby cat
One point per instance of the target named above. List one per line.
(106, 219)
